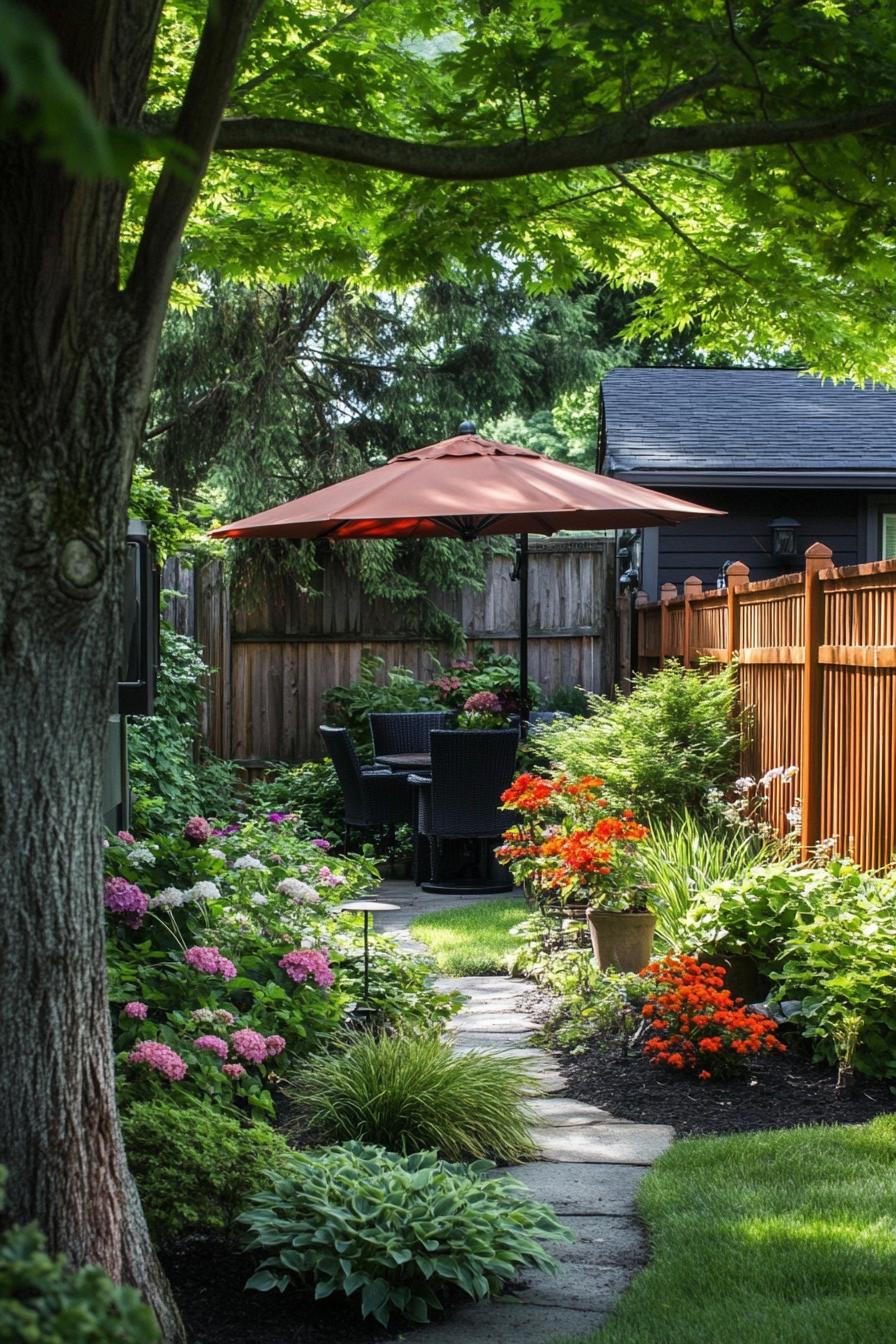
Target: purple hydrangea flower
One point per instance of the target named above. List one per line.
(125, 899)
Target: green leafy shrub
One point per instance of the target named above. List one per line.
(310, 789)
(161, 749)
(658, 750)
(827, 938)
(351, 705)
(411, 1093)
(44, 1300)
(196, 1167)
(840, 960)
(401, 1230)
(681, 857)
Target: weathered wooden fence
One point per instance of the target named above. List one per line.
(816, 657)
(275, 661)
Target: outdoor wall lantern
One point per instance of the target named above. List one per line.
(784, 532)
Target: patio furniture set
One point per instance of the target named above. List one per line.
(444, 782)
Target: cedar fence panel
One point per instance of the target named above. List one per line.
(274, 661)
(816, 658)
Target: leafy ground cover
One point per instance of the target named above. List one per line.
(473, 940)
(794, 1235)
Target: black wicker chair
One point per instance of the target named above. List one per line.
(402, 734)
(461, 803)
(373, 798)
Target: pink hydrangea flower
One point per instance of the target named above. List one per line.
(275, 1046)
(302, 965)
(209, 961)
(125, 899)
(331, 879)
(213, 1043)
(250, 1045)
(125, 837)
(321, 843)
(233, 1070)
(161, 1058)
(483, 702)
(136, 1009)
(197, 831)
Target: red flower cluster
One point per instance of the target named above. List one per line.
(531, 793)
(590, 850)
(696, 1024)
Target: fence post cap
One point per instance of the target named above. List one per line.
(818, 551)
(641, 598)
(693, 584)
(737, 574)
(668, 592)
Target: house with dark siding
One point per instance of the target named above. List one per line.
(791, 459)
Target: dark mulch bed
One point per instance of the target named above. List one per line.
(208, 1276)
(780, 1091)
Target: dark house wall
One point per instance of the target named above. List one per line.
(836, 517)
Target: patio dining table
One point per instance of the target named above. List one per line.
(408, 760)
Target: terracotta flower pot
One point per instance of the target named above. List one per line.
(621, 939)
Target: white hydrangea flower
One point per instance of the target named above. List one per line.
(203, 891)
(790, 773)
(141, 855)
(202, 1015)
(745, 784)
(258, 898)
(216, 853)
(170, 897)
(297, 891)
(249, 861)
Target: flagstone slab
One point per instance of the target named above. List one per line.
(581, 1189)
(510, 1321)
(563, 1113)
(637, 1145)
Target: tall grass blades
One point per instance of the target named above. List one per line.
(681, 858)
(413, 1094)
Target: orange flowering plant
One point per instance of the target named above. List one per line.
(567, 843)
(694, 1023)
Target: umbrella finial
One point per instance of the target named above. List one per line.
(466, 427)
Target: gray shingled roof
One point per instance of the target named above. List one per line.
(741, 426)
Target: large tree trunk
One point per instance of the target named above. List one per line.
(75, 372)
(68, 430)
(72, 405)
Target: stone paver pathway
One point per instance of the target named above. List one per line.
(591, 1166)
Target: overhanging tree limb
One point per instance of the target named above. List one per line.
(619, 139)
(224, 34)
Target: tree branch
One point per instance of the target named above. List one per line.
(624, 137)
(676, 228)
(248, 85)
(224, 34)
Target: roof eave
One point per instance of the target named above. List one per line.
(661, 479)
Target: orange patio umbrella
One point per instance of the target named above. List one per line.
(469, 487)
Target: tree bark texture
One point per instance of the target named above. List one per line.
(75, 375)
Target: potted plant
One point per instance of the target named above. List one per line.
(482, 710)
(568, 844)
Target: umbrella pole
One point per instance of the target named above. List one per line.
(523, 566)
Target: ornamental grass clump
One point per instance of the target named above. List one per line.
(694, 1023)
(412, 1093)
(401, 1231)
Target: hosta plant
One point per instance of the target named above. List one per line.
(402, 1232)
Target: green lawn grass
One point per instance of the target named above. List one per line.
(787, 1237)
(474, 940)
